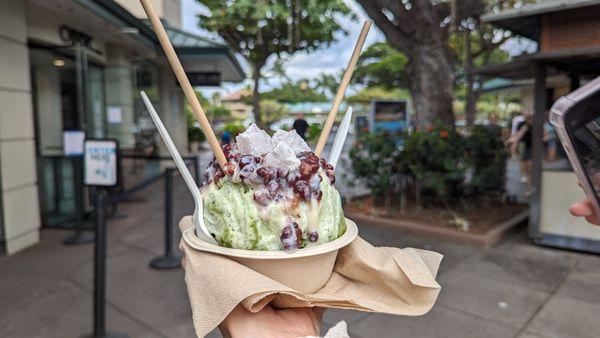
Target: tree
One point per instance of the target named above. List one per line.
(420, 29)
(477, 44)
(258, 29)
(328, 83)
(368, 94)
(300, 91)
(381, 65)
(273, 111)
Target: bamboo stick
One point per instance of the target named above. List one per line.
(339, 96)
(184, 82)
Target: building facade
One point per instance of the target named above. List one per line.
(567, 33)
(79, 65)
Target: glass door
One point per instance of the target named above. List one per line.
(68, 94)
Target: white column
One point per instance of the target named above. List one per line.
(18, 179)
(171, 109)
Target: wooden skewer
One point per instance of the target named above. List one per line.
(339, 96)
(189, 92)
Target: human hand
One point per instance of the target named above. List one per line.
(584, 209)
(270, 322)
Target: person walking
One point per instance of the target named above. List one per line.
(300, 126)
(523, 135)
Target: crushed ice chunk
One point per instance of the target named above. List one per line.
(254, 141)
(292, 139)
(253, 128)
(282, 157)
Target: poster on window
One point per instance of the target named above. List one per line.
(100, 162)
(73, 143)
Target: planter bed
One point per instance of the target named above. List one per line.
(488, 223)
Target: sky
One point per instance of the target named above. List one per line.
(300, 65)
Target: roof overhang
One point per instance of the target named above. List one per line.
(525, 21)
(114, 13)
(201, 54)
(584, 61)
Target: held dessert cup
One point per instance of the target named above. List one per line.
(306, 270)
(274, 209)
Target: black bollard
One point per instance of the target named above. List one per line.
(100, 271)
(169, 260)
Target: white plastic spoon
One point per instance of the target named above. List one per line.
(340, 138)
(197, 218)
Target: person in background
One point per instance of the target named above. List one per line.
(549, 140)
(523, 135)
(515, 123)
(493, 123)
(300, 125)
(226, 137)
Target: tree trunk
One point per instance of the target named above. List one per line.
(431, 79)
(256, 98)
(470, 98)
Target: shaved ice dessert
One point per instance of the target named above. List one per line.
(274, 194)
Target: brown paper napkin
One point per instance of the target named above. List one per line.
(365, 278)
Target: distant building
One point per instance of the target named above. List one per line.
(237, 103)
(80, 65)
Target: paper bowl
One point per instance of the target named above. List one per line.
(304, 270)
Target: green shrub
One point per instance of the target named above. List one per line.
(486, 154)
(447, 164)
(377, 162)
(435, 158)
(195, 134)
(234, 128)
(314, 131)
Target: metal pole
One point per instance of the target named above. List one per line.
(100, 266)
(169, 212)
(537, 149)
(169, 260)
(197, 169)
(100, 271)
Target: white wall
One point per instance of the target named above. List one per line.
(18, 179)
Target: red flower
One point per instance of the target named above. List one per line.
(443, 134)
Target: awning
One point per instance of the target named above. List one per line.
(525, 20)
(200, 55)
(584, 61)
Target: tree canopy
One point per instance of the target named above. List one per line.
(381, 65)
(300, 91)
(258, 29)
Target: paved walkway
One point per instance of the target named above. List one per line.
(515, 289)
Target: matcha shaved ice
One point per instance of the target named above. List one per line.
(275, 195)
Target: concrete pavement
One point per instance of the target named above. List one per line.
(515, 289)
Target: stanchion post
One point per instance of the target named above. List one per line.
(100, 266)
(100, 271)
(169, 260)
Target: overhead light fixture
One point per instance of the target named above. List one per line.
(59, 63)
(130, 30)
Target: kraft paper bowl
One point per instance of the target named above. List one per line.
(304, 270)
